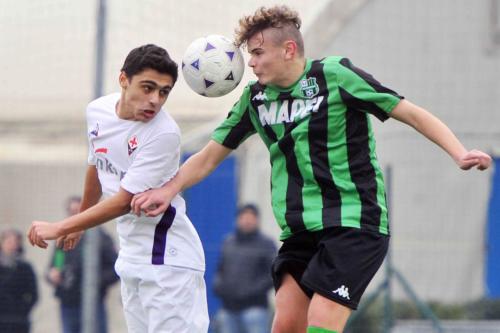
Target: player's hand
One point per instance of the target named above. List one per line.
(70, 241)
(474, 158)
(41, 231)
(152, 202)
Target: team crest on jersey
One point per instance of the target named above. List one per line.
(309, 87)
(132, 144)
(95, 131)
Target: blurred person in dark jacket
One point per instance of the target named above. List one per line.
(18, 287)
(243, 278)
(65, 273)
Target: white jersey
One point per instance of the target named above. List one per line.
(138, 156)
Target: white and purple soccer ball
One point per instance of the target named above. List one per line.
(212, 66)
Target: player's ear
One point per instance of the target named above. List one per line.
(123, 80)
(290, 49)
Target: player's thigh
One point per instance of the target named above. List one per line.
(293, 258)
(345, 263)
(174, 300)
(135, 316)
(291, 306)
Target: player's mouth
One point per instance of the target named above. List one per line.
(149, 114)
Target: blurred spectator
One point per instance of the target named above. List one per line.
(65, 273)
(243, 277)
(18, 288)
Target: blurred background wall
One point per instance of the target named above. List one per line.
(443, 55)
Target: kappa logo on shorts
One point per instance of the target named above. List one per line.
(342, 291)
(132, 144)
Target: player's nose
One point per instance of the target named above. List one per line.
(251, 62)
(155, 98)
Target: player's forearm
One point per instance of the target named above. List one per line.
(194, 170)
(436, 131)
(198, 166)
(430, 127)
(102, 212)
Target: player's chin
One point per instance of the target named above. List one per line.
(146, 118)
(262, 80)
(147, 115)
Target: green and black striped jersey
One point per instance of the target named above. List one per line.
(324, 166)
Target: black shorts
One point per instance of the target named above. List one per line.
(337, 263)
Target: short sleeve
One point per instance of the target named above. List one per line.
(361, 91)
(91, 159)
(237, 127)
(155, 163)
(92, 131)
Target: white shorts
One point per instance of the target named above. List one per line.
(163, 298)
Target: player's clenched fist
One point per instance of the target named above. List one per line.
(474, 158)
(41, 231)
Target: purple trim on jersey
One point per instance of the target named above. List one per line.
(160, 238)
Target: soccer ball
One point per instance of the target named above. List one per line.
(212, 66)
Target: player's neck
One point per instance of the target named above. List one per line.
(121, 112)
(294, 71)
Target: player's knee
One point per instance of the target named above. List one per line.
(328, 314)
(288, 325)
(316, 318)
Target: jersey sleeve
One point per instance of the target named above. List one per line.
(92, 130)
(237, 127)
(361, 91)
(155, 163)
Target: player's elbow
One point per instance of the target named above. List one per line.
(122, 201)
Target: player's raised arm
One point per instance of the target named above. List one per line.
(436, 131)
(194, 170)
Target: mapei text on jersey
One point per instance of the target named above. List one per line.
(288, 111)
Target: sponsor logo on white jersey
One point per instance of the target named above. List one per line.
(342, 291)
(274, 113)
(103, 164)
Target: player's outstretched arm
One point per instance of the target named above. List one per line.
(436, 131)
(92, 192)
(195, 169)
(117, 205)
